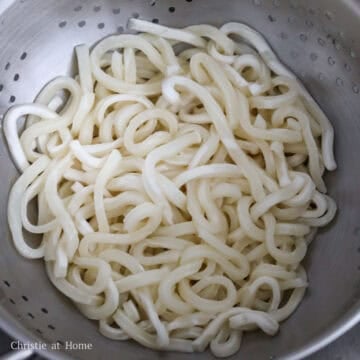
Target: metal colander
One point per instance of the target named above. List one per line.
(318, 40)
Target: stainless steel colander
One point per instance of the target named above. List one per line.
(319, 40)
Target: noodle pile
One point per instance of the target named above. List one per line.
(178, 179)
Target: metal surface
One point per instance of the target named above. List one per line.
(318, 40)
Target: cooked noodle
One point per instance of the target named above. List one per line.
(176, 192)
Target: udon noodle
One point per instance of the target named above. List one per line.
(178, 180)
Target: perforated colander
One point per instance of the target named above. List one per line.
(318, 40)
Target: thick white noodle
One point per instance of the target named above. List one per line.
(176, 194)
